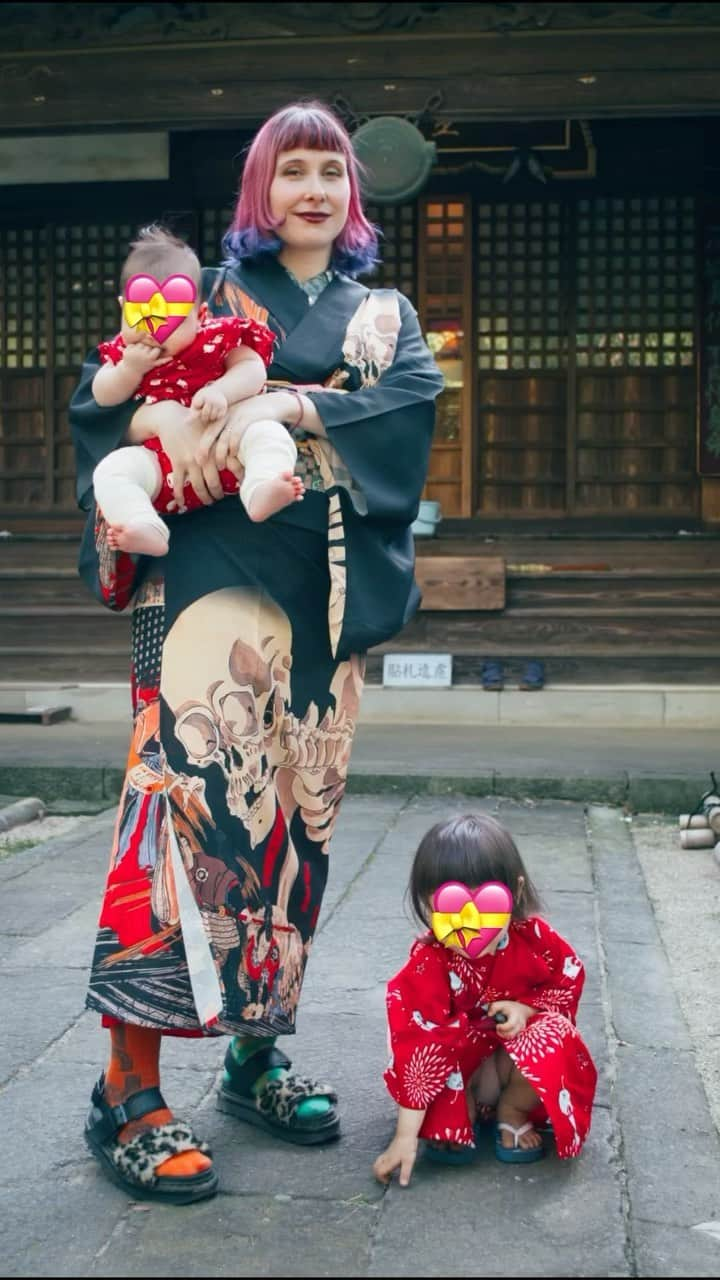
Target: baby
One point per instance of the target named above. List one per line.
(168, 349)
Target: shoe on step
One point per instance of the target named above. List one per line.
(533, 676)
(492, 675)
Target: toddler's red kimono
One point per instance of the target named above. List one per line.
(434, 1007)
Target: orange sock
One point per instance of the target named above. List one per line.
(135, 1065)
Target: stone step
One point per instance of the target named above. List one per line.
(633, 706)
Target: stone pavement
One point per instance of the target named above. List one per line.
(643, 1199)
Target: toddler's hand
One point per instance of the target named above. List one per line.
(141, 357)
(516, 1015)
(402, 1154)
(209, 404)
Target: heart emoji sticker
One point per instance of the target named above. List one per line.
(157, 308)
(470, 918)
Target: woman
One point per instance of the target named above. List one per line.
(248, 662)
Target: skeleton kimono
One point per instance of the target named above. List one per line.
(247, 666)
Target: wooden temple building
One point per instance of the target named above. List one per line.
(563, 255)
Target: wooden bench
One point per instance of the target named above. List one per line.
(461, 581)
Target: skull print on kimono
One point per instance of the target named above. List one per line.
(239, 695)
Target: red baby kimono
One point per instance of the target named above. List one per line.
(434, 1007)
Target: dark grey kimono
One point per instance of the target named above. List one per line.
(247, 667)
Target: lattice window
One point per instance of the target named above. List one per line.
(444, 244)
(519, 286)
(398, 265)
(213, 225)
(86, 274)
(636, 283)
(23, 293)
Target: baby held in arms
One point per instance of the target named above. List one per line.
(168, 349)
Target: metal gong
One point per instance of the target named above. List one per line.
(396, 159)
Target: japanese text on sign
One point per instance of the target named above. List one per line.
(417, 670)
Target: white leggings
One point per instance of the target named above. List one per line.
(128, 480)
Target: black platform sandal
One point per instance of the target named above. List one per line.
(132, 1164)
(276, 1105)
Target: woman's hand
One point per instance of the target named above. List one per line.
(221, 441)
(516, 1014)
(401, 1154)
(180, 432)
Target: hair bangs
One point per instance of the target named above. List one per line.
(312, 128)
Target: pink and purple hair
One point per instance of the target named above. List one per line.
(310, 125)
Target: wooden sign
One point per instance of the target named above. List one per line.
(85, 157)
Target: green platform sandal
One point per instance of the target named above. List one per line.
(275, 1107)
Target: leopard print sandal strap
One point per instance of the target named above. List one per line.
(133, 1165)
(138, 1159)
(280, 1099)
(274, 1107)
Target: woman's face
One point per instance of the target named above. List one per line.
(310, 196)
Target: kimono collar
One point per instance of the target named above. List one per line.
(313, 287)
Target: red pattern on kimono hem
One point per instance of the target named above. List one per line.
(434, 1007)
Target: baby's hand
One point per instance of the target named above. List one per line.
(401, 1154)
(210, 404)
(141, 357)
(516, 1015)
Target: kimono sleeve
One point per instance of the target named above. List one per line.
(423, 1032)
(561, 993)
(96, 430)
(383, 432)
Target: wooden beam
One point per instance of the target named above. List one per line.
(244, 80)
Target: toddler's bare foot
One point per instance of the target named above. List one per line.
(138, 538)
(517, 1118)
(272, 495)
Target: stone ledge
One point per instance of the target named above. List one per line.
(639, 793)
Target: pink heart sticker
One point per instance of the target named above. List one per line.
(493, 903)
(159, 308)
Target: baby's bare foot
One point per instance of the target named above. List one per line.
(272, 495)
(138, 539)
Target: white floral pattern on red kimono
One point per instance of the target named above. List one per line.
(434, 1007)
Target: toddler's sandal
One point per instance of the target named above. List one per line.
(516, 1154)
(444, 1155)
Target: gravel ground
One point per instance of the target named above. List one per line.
(684, 888)
(27, 834)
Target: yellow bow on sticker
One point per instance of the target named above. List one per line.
(445, 924)
(472, 918)
(153, 313)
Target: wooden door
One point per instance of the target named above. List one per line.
(633, 356)
(445, 307)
